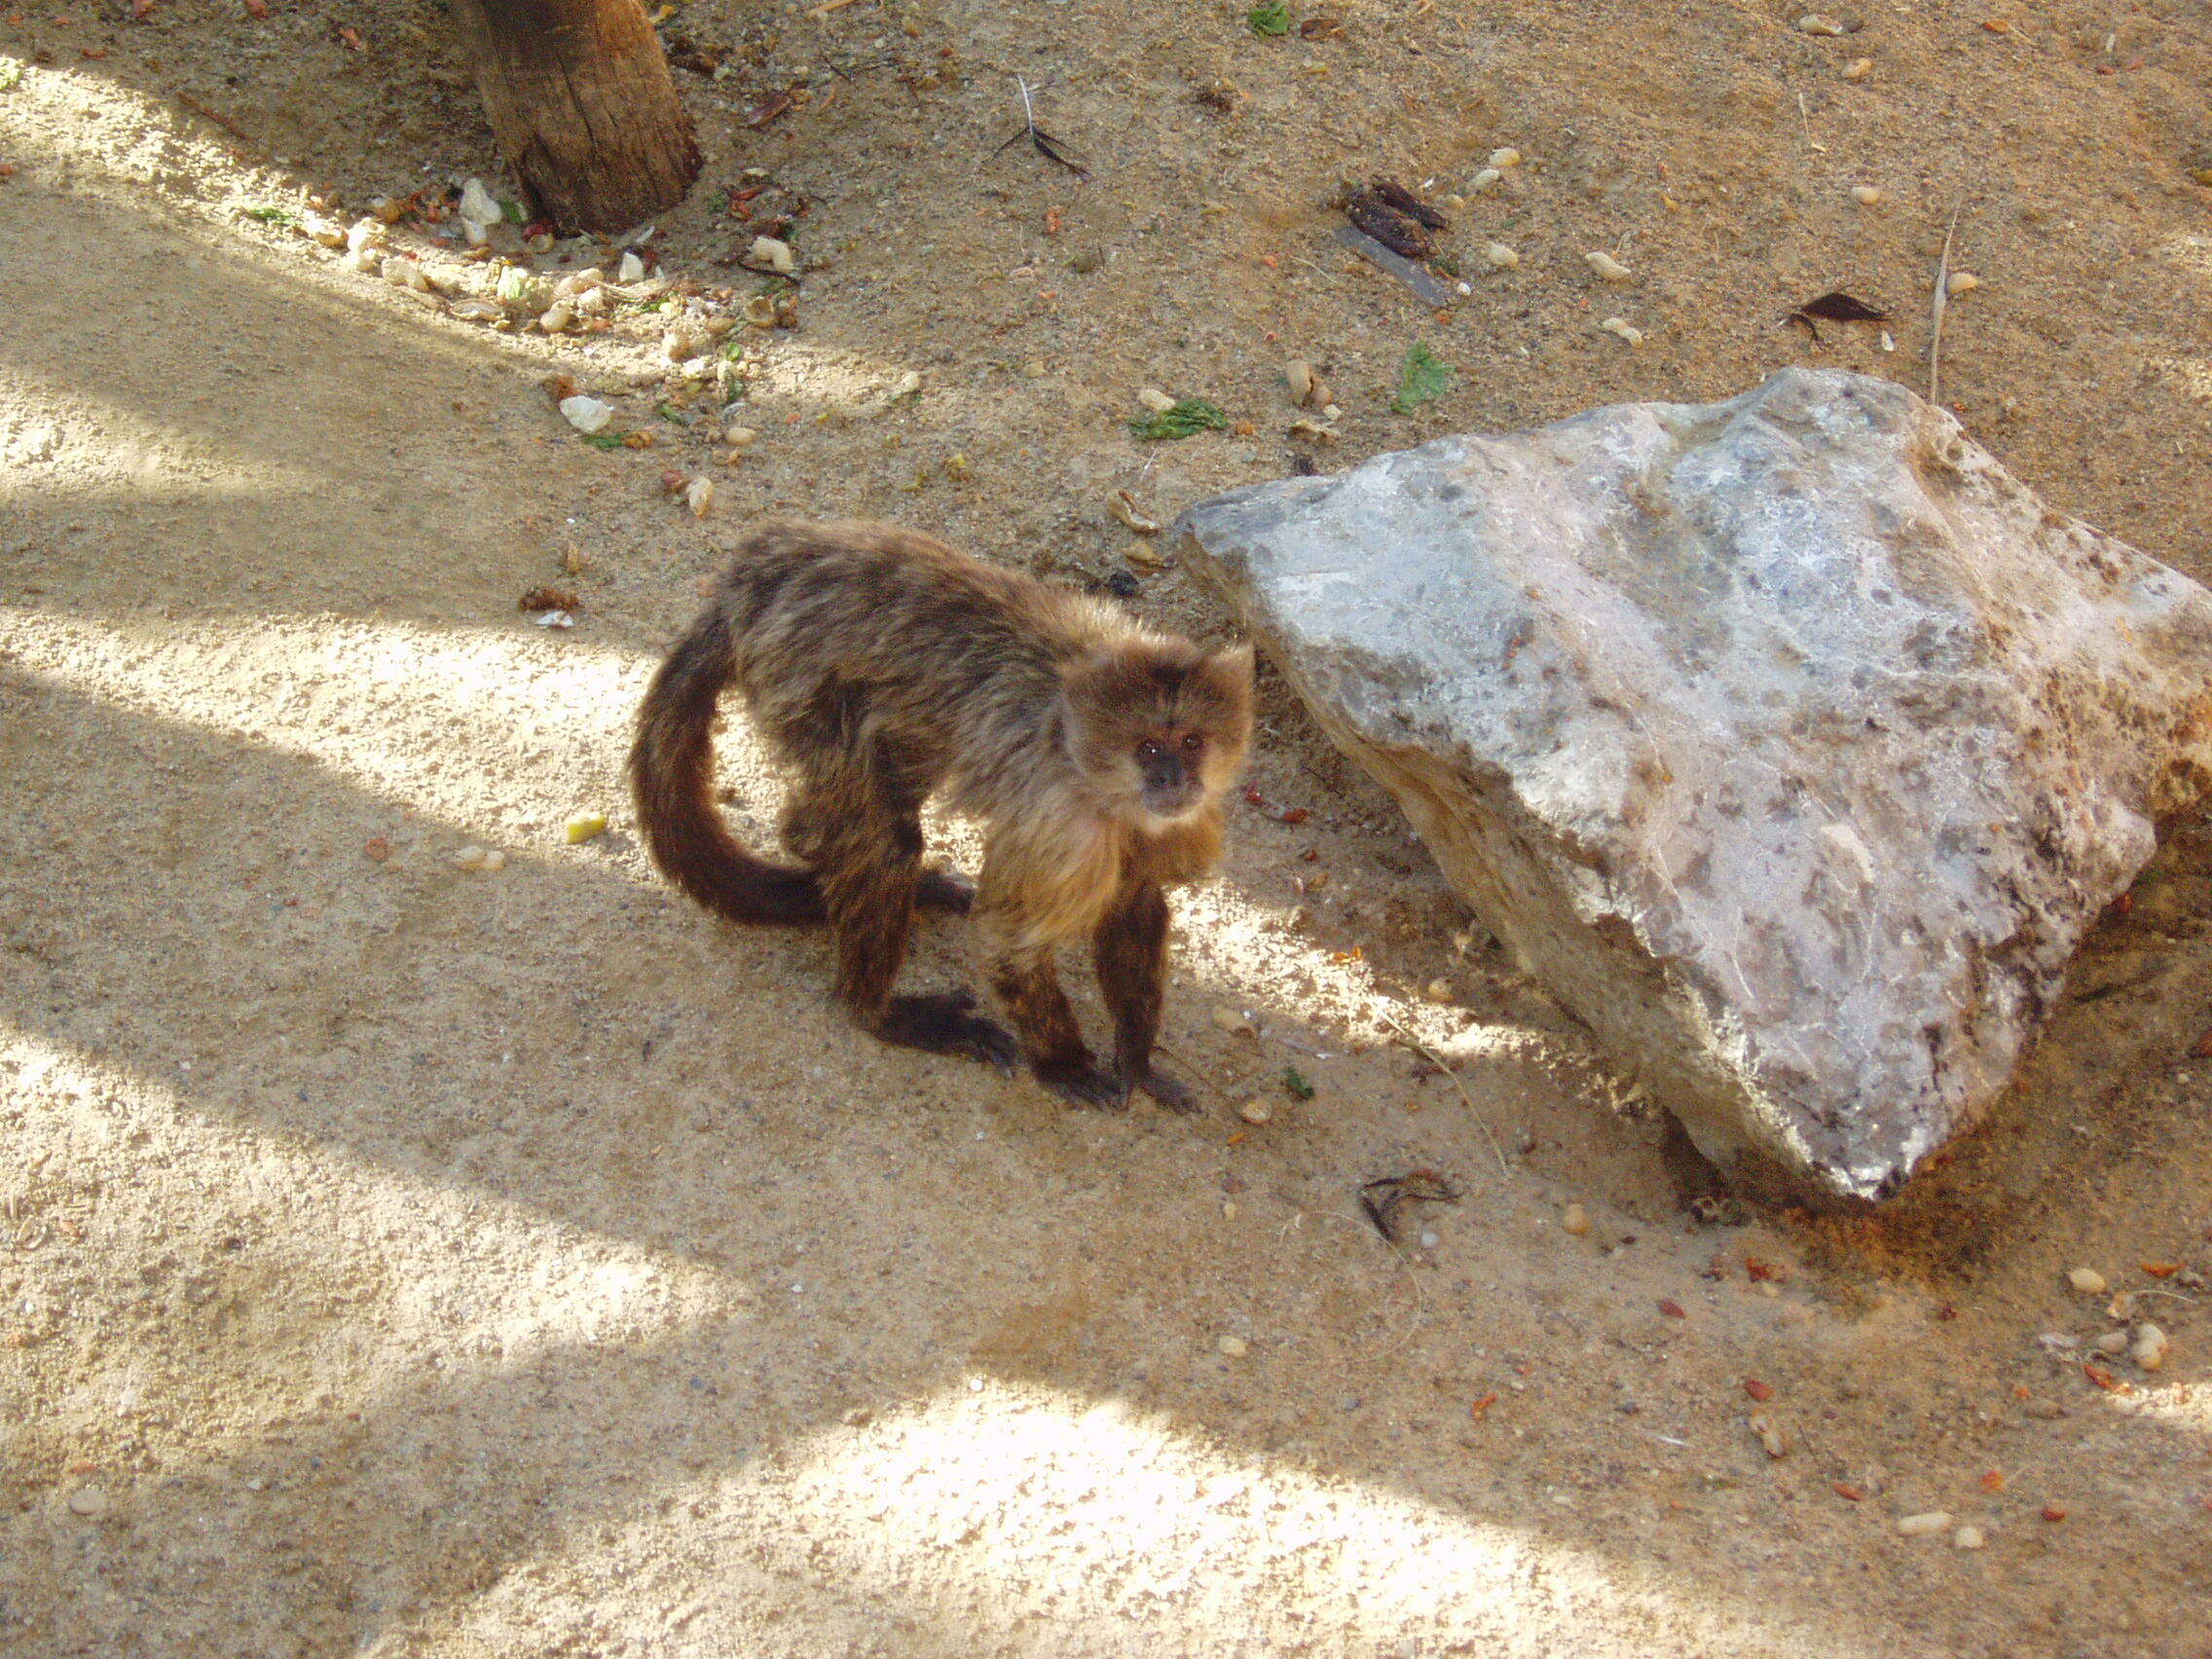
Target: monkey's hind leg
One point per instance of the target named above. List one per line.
(1130, 946)
(1029, 991)
(869, 860)
(805, 817)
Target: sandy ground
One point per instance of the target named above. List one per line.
(403, 1259)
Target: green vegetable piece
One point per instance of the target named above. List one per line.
(1190, 415)
(1425, 378)
(1269, 18)
(1294, 1080)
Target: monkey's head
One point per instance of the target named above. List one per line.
(1158, 726)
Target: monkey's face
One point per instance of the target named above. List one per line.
(1160, 727)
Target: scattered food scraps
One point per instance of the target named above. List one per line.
(549, 598)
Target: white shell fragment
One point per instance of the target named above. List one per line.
(1620, 328)
(1505, 157)
(1123, 506)
(2089, 1281)
(1155, 400)
(1816, 24)
(1608, 268)
(1961, 283)
(631, 270)
(1485, 181)
(1867, 195)
(1926, 1524)
(1500, 257)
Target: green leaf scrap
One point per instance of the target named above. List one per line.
(604, 440)
(11, 71)
(1269, 18)
(1425, 378)
(1294, 1080)
(1190, 415)
(272, 215)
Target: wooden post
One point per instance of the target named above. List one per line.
(582, 105)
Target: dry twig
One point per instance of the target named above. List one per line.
(1942, 300)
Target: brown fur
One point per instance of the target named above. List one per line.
(885, 668)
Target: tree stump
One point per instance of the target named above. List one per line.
(580, 101)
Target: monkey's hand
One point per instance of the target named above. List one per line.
(942, 1024)
(1085, 1084)
(1175, 1097)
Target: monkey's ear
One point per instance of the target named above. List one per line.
(1231, 669)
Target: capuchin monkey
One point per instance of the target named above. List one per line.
(884, 668)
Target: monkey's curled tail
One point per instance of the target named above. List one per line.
(672, 775)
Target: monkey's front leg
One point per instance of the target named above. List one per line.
(1130, 946)
(1029, 991)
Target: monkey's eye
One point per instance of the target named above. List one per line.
(1150, 751)
(1192, 743)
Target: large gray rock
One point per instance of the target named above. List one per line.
(1790, 741)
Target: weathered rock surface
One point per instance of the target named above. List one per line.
(1790, 741)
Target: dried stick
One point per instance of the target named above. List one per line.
(1473, 1110)
(1942, 300)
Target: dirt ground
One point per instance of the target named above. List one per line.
(404, 1259)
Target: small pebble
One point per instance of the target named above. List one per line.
(1441, 991)
(2087, 1281)
(405, 274)
(587, 414)
(1507, 156)
(470, 857)
(1234, 1347)
(1923, 1525)
(699, 497)
(1501, 257)
(1968, 1538)
(633, 269)
(1609, 267)
(88, 1501)
(1485, 181)
(739, 437)
(478, 203)
(1860, 69)
(1962, 283)
(584, 827)
(1816, 24)
(2113, 1342)
(1622, 329)
(2150, 1349)
(1155, 400)
(1577, 1221)
(1256, 1111)
(1430, 1240)
(1867, 195)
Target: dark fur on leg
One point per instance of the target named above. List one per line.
(1029, 991)
(1130, 947)
(869, 865)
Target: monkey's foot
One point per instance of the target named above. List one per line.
(1083, 1084)
(946, 890)
(942, 1024)
(1175, 1097)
